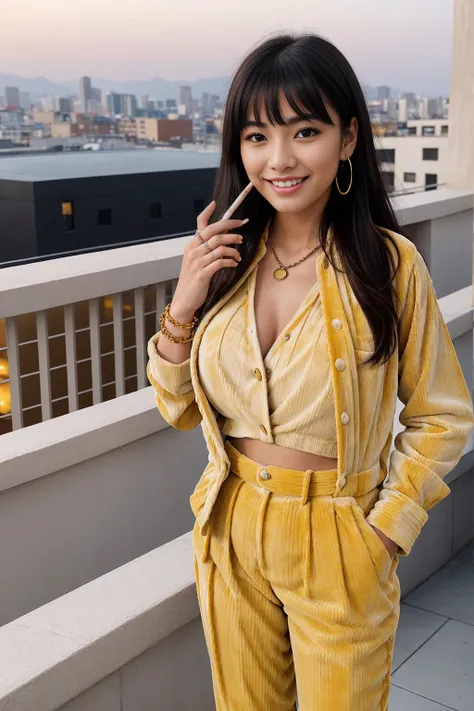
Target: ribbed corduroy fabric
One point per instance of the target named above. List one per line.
(290, 388)
(296, 591)
(423, 372)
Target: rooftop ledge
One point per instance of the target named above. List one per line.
(59, 650)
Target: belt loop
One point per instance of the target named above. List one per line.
(306, 483)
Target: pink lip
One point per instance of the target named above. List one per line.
(286, 191)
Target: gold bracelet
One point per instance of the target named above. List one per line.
(167, 315)
(176, 339)
(170, 336)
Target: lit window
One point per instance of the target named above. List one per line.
(67, 211)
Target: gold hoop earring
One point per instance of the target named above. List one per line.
(350, 184)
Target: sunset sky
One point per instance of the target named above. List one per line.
(406, 44)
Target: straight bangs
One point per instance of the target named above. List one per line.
(260, 95)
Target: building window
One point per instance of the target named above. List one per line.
(155, 211)
(430, 154)
(199, 205)
(412, 130)
(409, 177)
(385, 155)
(104, 217)
(389, 178)
(428, 131)
(431, 181)
(67, 210)
(444, 130)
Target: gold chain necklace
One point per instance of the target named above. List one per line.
(282, 271)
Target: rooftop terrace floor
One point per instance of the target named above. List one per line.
(433, 666)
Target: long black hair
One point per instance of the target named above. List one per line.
(312, 73)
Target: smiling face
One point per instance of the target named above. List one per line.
(293, 166)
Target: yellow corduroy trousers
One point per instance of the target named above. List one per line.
(298, 595)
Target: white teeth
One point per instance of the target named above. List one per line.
(286, 183)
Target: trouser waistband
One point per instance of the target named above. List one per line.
(281, 480)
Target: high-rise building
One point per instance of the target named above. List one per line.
(185, 98)
(403, 110)
(205, 103)
(143, 102)
(12, 96)
(383, 92)
(85, 92)
(215, 103)
(410, 99)
(65, 105)
(25, 100)
(171, 105)
(129, 105)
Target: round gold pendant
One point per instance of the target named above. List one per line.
(280, 274)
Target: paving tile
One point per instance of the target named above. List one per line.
(443, 670)
(401, 700)
(466, 555)
(449, 592)
(415, 627)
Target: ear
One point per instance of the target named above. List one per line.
(349, 140)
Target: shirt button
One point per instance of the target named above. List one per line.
(264, 429)
(250, 329)
(345, 418)
(337, 324)
(265, 474)
(340, 364)
(258, 374)
(287, 336)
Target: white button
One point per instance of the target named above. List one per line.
(345, 418)
(340, 364)
(337, 324)
(264, 474)
(250, 329)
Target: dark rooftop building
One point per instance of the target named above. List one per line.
(61, 203)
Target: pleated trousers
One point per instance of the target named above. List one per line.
(299, 597)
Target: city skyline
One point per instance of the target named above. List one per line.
(404, 46)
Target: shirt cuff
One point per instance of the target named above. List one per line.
(173, 377)
(399, 518)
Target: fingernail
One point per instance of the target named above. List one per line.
(244, 222)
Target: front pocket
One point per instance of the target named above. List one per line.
(381, 558)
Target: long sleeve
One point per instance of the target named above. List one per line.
(437, 416)
(174, 394)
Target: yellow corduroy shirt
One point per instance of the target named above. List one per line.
(290, 388)
(424, 372)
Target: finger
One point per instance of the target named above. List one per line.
(205, 215)
(223, 226)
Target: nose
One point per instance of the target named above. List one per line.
(281, 157)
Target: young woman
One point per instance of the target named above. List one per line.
(289, 339)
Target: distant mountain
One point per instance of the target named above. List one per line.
(156, 87)
(37, 86)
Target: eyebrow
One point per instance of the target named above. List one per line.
(289, 122)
